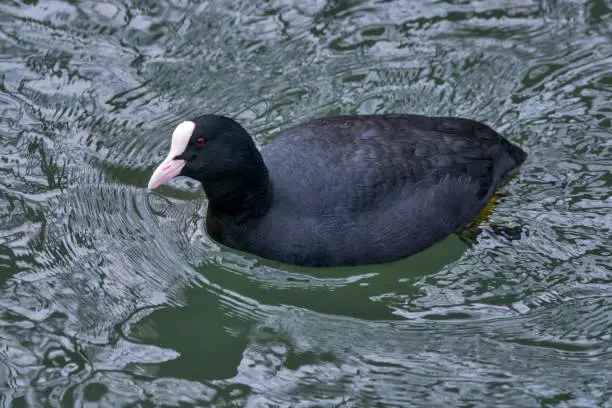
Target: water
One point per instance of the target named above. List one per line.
(110, 296)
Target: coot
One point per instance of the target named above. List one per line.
(338, 191)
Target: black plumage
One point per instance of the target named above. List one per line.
(346, 190)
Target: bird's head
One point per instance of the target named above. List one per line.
(208, 149)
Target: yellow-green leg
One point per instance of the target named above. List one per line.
(471, 230)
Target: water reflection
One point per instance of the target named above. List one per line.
(113, 296)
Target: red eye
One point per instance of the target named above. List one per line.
(200, 142)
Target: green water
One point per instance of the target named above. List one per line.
(110, 296)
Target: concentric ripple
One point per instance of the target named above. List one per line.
(113, 296)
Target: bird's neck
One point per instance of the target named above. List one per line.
(244, 196)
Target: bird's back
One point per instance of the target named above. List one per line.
(358, 162)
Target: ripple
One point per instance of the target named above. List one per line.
(113, 296)
(403, 364)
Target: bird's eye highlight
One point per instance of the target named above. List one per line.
(200, 142)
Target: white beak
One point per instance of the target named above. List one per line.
(171, 168)
(165, 172)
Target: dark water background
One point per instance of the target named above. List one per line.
(113, 297)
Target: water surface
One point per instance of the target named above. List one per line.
(110, 296)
